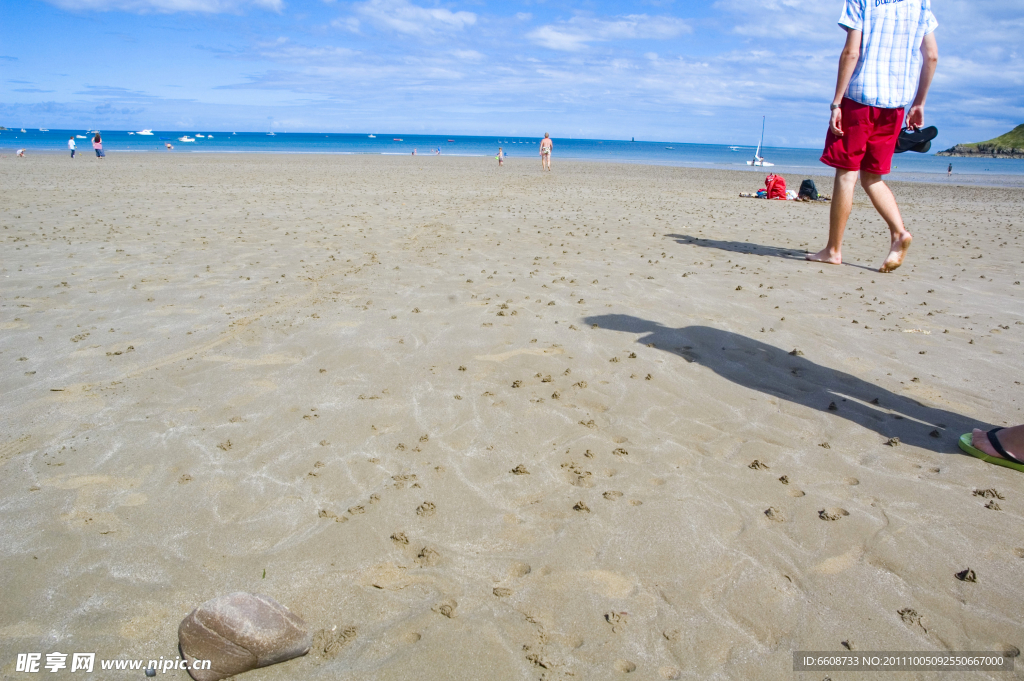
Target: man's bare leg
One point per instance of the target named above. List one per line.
(885, 204)
(839, 213)
(1012, 440)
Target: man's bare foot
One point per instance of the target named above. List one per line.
(826, 256)
(897, 252)
(1012, 440)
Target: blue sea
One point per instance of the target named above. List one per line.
(909, 167)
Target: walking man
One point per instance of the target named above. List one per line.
(890, 52)
(72, 145)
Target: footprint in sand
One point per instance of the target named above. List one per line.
(327, 643)
(501, 592)
(612, 495)
(775, 514)
(520, 470)
(446, 608)
(518, 570)
(617, 620)
(796, 493)
(832, 513)
(669, 673)
(757, 465)
(624, 666)
(428, 557)
(426, 509)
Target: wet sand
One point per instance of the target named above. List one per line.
(476, 422)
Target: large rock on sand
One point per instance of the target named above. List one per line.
(239, 632)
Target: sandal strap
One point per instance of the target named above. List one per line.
(996, 445)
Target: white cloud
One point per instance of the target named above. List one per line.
(167, 6)
(575, 35)
(404, 17)
(467, 55)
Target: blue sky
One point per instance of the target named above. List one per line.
(657, 70)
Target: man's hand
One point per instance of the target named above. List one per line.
(915, 118)
(835, 123)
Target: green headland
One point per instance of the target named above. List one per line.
(1010, 145)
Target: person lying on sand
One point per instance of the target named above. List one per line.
(1001, 446)
(887, 46)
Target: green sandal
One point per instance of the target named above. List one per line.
(1010, 461)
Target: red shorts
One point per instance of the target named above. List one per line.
(869, 140)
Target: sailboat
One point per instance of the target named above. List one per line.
(758, 160)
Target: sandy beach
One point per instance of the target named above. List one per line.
(483, 423)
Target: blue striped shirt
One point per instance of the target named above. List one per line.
(890, 50)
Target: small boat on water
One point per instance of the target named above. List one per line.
(81, 137)
(270, 134)
(373, 137)
(144, 132)
(131, 133)
(209, 137)
(670, 147)
(43, 130)
(186, 138)
(23, 130)
(734, 148)
(198, 135)
(758, 160)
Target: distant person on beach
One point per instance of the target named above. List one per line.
(888, 47)
(413, 152)
(545, 152)
(97, 145)
(168, 145)
(21, 153)
(949, 170)
(501, 157)
(72, 146)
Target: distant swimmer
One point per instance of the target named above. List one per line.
(168, 145)
(545, 152)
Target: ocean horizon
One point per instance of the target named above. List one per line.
(908, 167)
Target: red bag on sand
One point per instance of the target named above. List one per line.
(776, 187)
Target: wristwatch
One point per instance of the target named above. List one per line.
(833, 107)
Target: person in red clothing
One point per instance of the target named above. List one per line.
(890, 53)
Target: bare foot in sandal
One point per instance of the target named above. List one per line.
(1012, 440)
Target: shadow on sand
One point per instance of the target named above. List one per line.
(751, 249)
(772, 371)
(739, 247)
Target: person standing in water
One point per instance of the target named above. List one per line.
(949, 170)
(890, 53)
(545, 152)
(72, 145)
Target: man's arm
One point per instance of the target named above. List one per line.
(847, 64)
(930, 52)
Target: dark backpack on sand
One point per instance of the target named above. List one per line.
(808, 190)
